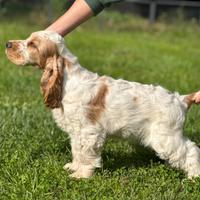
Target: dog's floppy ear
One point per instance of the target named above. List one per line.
(52, 81)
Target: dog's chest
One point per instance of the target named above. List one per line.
(67, 118)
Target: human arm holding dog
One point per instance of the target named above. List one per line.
(79, 12)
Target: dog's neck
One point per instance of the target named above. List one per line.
(65, 53)
(75, 69)
(77, 79)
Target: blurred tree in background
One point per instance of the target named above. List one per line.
(42, 11)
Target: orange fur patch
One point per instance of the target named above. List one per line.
(41, 49)
(135, 99)
(52, 82)
(97, 104)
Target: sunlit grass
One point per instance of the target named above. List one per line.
(32, 148)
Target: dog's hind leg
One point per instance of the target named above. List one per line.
(180, 152)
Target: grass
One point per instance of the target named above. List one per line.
(33, 150)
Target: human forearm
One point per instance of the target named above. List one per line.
(79, 12)
(98, 5)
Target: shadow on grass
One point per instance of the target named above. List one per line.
(140, 157)
(114, 155)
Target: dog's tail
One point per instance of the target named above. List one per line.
(190, 99)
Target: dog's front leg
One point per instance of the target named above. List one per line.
(86, 151)
(76, 149)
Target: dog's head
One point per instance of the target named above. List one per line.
(43, 49)
(36, 49)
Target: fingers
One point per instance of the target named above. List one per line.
(196, 97)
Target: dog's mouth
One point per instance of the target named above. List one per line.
(15, 57)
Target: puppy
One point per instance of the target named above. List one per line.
(90, 107)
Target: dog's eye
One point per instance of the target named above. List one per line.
(31, 44)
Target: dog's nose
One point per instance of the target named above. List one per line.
(8, 45)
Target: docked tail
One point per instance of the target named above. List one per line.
(190, 99)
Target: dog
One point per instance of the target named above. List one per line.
(90, 107)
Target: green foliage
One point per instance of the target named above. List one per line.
(32, 148)
(37, 11)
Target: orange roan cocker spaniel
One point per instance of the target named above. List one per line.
(90, 107)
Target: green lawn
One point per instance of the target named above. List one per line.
(33, 150)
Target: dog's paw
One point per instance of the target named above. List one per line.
(70, 166)
(82, 173)
(194, 174)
